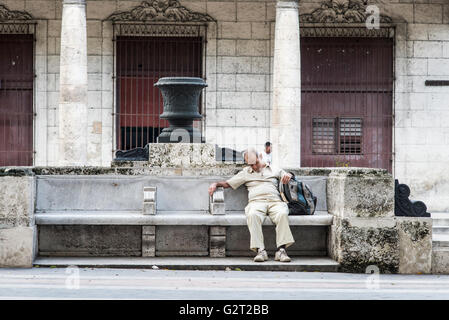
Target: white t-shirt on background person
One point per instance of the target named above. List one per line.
(266, 157)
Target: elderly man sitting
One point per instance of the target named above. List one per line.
(264, 199)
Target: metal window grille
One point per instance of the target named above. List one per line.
(16, 93)
(348, 139)
(144, 53)
(323, 136)
(350, 136)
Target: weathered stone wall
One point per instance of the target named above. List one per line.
(421, 114)
(238, 110)
(17, 228)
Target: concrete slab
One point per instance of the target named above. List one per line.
(322, 264)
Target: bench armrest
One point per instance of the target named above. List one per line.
(149, 200)
(217, 203)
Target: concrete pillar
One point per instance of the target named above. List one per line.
(73, 85)
(286, 109)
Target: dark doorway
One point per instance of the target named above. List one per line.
(347, 88)
(16, 100)
(141, 61)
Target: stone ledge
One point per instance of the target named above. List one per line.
(219, 170)
(323, 264)
(236, 218)
(142, 167)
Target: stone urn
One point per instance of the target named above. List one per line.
(181, 103)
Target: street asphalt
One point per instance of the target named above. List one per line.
(101, 283)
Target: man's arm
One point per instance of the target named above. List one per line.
(215, 185)
(234, 182)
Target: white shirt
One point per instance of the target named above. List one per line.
(262, 185)
(266, 157)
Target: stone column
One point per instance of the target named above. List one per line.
(286, 109)
(73, 85)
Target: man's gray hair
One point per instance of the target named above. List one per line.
(249, 151)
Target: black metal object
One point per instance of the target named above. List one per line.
(181, 105)
(437, 83)
(405, 207)
(137, 154)
(227, 154)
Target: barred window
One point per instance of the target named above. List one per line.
(337, 135)
(323, 135)
(351, 136)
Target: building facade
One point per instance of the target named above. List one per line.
(331, 83)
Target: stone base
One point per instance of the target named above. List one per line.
(171, 240)
(389, 245)
(415, 245)
(90, 240)
(17, 247)
(440, 261)
(309, 241)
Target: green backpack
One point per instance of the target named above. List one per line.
(299, 197)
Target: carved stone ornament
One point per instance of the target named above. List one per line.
(8, 15)
(160, 11)
(341, 11)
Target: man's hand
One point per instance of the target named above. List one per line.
(286, 178)
(212, 188)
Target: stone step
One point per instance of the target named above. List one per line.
(439, 215)
(320, 264)
(440, 240)
(440, 230)
(440, 219)
(440, 222)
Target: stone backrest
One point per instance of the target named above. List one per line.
(125, 193)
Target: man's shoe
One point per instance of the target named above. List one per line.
(261, 256)
(281, 255)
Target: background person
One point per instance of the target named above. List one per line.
(266, 154)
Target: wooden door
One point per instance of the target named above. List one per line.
(16, 100)
(346, 115)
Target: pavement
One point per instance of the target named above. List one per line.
(105, 283)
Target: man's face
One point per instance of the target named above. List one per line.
(268, 149)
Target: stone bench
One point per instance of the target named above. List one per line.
(161, 205)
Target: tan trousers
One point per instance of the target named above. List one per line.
(256, 211)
